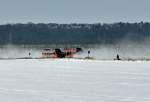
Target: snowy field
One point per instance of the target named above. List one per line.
(68, 80)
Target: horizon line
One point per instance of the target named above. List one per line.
(72, 23)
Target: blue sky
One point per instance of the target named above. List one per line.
(74, 11)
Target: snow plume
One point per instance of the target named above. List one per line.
(125, 49)
(128, 50)
(12, 51)
(101, 52)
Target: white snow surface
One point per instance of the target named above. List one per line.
(71, 80)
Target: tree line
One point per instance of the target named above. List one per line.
(52, 33)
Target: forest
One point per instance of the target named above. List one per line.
(52, 33)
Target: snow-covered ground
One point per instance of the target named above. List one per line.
(70, 80)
